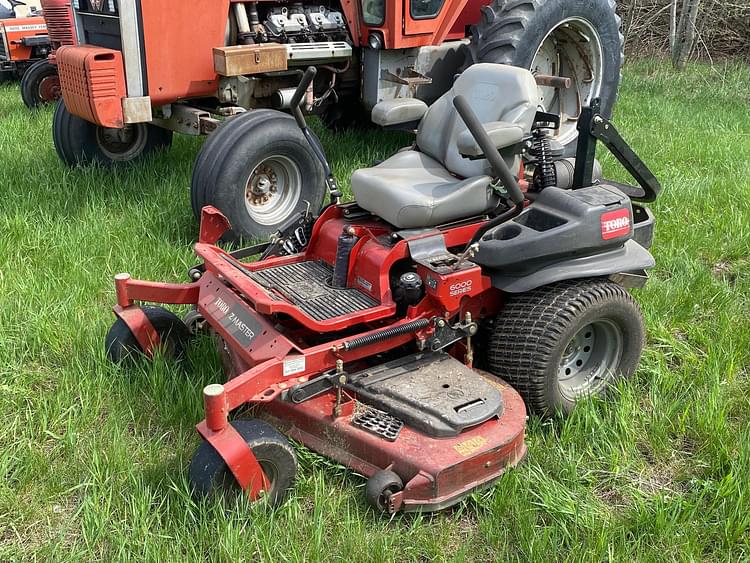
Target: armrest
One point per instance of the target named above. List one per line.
(501, 133)
(401, 110)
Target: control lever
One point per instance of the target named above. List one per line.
(499, 167)
(307, 79)
(466, 255)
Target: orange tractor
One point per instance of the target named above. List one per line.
(144, 69)
(24, 42)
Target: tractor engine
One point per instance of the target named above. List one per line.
(301, 24)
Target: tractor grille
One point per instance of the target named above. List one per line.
(307, 285)
(59, 25)
(3, 52)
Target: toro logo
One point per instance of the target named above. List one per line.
(460, 287)
(615, 223)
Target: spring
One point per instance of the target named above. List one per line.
(541, 150)
(392, 332)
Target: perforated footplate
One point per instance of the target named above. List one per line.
(307, 285)
(377, 422)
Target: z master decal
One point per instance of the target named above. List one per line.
(238, 322)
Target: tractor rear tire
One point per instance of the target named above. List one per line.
(79, 142)
(210, 476)
(259, 171)
(560, 37)
(121, 344)
(40, 84)
(563, 342)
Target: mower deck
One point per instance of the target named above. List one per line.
(437, 472)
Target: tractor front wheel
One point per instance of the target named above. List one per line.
(211, 477)
(259, 170)
(79, 142)
(40, 84)
(577, 40)
(561, 343)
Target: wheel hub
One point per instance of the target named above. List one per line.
(122, 144)
(263, 184)
(572, 49)
(590, 359)
(49, 89)
(273, 190)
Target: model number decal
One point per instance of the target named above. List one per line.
(28, 27)
(294, 365)
(615, 223)
(239, 324)
(460, 287)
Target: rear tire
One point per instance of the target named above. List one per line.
(40, 84)
(79, 142)
(566, 341)
(122, 345)
(210, 476)
(547, 37)
(259, 171)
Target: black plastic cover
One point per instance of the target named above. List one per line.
(433, 393)
(560, 224)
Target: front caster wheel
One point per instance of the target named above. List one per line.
(121, 343)
(210, 476)
(567, 341)
(380, 487)
(79, 142)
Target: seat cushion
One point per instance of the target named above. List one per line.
(411, 190)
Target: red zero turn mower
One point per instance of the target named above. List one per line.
(401, 335)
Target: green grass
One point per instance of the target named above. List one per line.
(93, 459)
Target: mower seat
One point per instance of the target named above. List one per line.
(435, 183)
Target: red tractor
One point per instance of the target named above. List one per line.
(146, 68)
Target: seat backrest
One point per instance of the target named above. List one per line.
(496, 93)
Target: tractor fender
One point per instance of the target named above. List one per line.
(631, 257)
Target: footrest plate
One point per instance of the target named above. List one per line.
(433, 393)
(308, 286)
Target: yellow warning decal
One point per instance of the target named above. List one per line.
(468, 447)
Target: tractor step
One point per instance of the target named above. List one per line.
(308, 286)
(378, 422)
(433, 393)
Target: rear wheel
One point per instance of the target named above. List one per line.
(40, 84)
(79, 142)
(258, 170)
(578, 40)
(210, 476)
(567, 341)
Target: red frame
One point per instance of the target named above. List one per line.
(260, 368)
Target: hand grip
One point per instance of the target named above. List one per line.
(307, 79)
(489, 149)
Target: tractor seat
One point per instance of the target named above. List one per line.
(435, 183)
